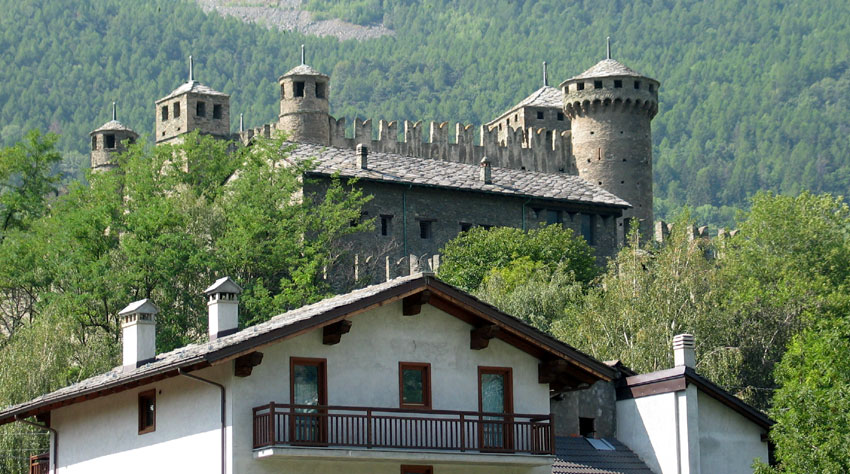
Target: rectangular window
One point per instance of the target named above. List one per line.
(651, 88)
(417, 470)
(637, 84)
(539, 115)
(425, 229)
(586, 427)
(201, 109)
(308, 387)
(164, 113)
(618, 84)
(217, 111)
(320, 90)
(414, 385)
(587, 223)
(597, 84)
(147, 411)
(495, 397)
(94, 142)
(386, 225)
(110, 140)
(580, 86)
(176, 108)
(299, 88)
(560, 116)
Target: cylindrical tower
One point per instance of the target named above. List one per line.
(610, 108)
(304, 106)
(109, 139)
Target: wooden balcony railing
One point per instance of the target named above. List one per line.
(40, 464)
(362, 427)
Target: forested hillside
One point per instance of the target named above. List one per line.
(754, 94)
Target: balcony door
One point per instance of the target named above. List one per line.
(495, 397)
(308, 387)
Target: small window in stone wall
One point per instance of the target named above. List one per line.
(164, 113)
(200, 109)
(560, 116)
(320, 90)
(176, 108)
(217, 111)
(386, 224)
(539, 115)
(586, 427)
(618, 84)
(597, 84)
(425, 229)
(109, 140)
(637, 84)
(298, 90)
(651, 88)
(580, 86)
(282, 92)
(94, 142)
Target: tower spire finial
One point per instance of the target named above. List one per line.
(302, 55)
(608, 47)
(191, 69)
(114, 115)
(545, 75)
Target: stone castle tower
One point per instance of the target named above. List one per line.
(192, 106)
(108, 140)
(304, 105)
(610, 108)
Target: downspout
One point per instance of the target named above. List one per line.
(223, 416)
(55, 433)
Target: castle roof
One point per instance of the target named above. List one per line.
(303, 70)
(546, 96)
(113, 126)
(607, 68)
(394, 168)
(194, 87)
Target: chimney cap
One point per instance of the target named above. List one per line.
(145, 306)
(683, 340)
(485, 161)
(223, 285)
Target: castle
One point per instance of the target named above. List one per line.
(579, 155)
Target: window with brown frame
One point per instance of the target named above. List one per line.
(417, 470)
(495, 397)
(147, 411)
(308, 385)
(414, 385)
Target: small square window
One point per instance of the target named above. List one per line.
(201, 109)
(560, 116)
(465, 226)
(425, 228)
(147, 411)
(176, 108)
(539, 115)
(414, 380)
(109, 140)
(298, 90)
(217, 111)
(618, 84)
(386, 225)
(586, 427)
(580, 86)
(320, 90)
(637, 84)
(164, 114)
(597, 84)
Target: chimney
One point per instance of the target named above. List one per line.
(485, 173)
(138, 326)
(223, 304)
(683, 350)
(362, 156)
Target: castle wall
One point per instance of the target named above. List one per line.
(304, 117)
(527, 117)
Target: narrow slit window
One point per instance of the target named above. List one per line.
(201, 109)
(176, 109)
(147, 411)
(386, 225)
(299, 88)
(425, 229)
(217, 111)
(110, 140)
(94, 142)
(164, 113)
(414, 380)
(587, 223)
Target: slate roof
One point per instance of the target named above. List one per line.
(194, 87)
(575, 455)
(112, 126)
(303, 70)
(393, 168)
(277, 328)
(606, 68)
(546, 96)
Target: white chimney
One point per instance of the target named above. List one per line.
(362, 156)
(683, 350)
(223, 303)
(138, 326)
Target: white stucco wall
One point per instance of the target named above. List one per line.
(648, 426)
(728, 442)
(101, 435)
(363, 371)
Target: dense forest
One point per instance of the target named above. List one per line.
(754, 94)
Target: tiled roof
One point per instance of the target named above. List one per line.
(113, 126)
(194, 87)
(303, 70)
(546, 96)
(606, 68)
(393, 168)
(575, 455)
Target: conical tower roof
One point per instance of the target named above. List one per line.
(607, 68)
(112, 126)
(303, 70)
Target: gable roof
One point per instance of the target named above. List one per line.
(303, 70)
(193, 87)
(575, 455)
(677, 379)
(546, 96)
(313, 317)
(394, 168)
(223, 285)
(113, 126)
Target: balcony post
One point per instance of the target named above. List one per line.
(462, 433)
(369, 429)
(272, 432)
(551, 433)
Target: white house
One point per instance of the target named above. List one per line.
(411, 376)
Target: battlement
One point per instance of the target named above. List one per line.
(664, 229)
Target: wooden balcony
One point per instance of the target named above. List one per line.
(40, 464)
(278, 425)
